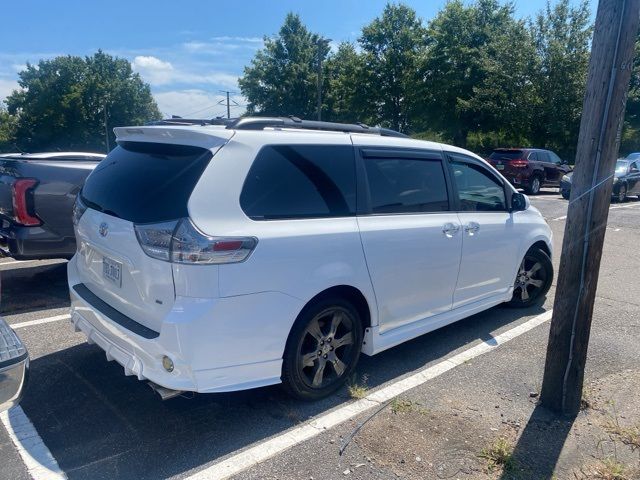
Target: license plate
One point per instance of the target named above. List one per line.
(112, 271)
(500, 167)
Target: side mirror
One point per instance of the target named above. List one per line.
(564, 162)
(518, 202)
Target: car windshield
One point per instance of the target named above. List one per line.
(633, 156)
(621, 167)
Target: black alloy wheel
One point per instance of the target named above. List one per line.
(533, 280)
(322, 350)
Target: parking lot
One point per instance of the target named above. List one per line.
(98, 423)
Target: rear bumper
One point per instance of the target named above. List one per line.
(216, 345)
(34, 243)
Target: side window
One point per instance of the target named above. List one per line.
(555, 158)
(300, 181)
(478, 189)
(633, 167)
(406, 185)
(544, 156)
(533, 156)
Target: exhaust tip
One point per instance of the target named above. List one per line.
(165, 393)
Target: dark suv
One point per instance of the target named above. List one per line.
(529, 168)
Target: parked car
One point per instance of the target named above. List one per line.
(626, 181)
(633, 156)
(529, 168)
(14, 367)
(37, 192)
(215, 258)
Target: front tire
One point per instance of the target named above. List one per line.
(533, 279)
(622, 194)
(323, 349)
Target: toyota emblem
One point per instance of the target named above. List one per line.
(104, 229)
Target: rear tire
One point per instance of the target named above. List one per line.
(534, 185)
(533, 279)
(323, 349)
(565, 194)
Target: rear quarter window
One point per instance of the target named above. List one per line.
(300, 181)
(146, 182)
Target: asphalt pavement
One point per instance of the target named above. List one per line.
(100, 424)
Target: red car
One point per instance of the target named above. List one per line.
(529, 168)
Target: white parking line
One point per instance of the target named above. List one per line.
(21, 263)
(563, 217)
(30, 323)
(40, 463)
(278, 444)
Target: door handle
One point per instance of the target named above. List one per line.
(472, 228)
(450, 229)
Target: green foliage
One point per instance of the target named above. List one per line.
(392, 46)
(345, 100)
(62, 102)
(477, 70)
(630, 141)
(8, 124)
(282, 77)
(562, 37)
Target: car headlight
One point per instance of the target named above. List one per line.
(616, 179)
(565, 178)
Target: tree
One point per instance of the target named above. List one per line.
(631, 131)
(562, 36)
(7, 130)
(346, 99)
(282, 77)
(63, 103)
(391, 48)
(476, 73)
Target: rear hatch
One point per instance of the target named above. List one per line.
(509, 161)
(137, 183)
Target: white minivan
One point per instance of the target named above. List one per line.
(214, 258)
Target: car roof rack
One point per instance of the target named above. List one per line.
(176, 120)
(259, 123)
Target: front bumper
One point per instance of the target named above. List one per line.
(14, 367)
(216, 345)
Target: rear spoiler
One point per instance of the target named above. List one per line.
(208, 138)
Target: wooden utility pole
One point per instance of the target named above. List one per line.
(602, 115)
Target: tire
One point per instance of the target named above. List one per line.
(311, 348)
(565, 194)
(622, 194)
(534, 185)
(532, 283)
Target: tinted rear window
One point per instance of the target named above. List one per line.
(506, 154)
(300, 181)
(146, 182)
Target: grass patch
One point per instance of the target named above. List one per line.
(499, 455)
(611, 469)
(628, 435)
(586, 401)
(358, 390)
(399, 406)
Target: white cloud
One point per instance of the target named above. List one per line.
(6, 87)
(158, 72)
(197, 103)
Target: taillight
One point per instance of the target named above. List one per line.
(78, 210)
(181, 242)
(22, 194)
(519, 163)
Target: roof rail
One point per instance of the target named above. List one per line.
(175, 120)
(259, 123)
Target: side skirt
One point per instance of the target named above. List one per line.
(376, 342)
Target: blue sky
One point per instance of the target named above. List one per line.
(187, 50)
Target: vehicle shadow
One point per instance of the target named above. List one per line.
(28, 289)
(100, 424)
(539, 446)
